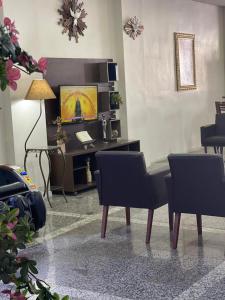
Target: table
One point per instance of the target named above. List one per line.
(46, 179)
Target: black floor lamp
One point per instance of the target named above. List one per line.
(39, 90)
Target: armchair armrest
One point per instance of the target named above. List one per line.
(207, 131)
(157, 183)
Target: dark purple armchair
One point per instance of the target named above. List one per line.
(214, 135)
(122, 180)
(196, 186)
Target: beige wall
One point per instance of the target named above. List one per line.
(163, 119)
(40, 35)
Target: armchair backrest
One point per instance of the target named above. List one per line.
(220, 124)
(220, 107)
(122, 177)
(198, 184)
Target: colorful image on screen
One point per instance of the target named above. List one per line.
(78, 102)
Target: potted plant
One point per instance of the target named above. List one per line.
(61, 136)
(115, 100)
(19, 272)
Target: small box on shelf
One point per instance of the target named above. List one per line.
(108, 72)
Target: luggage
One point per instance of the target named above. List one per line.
(31, 205)
(18, 191)
(38, 209)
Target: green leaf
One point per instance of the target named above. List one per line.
(33, 269)
(39, 284)
(3, 84)
(66, 298)
(56, 296)
(5, 278)
(32, 289)
(24, 271)
(13, 214)
(2, 218)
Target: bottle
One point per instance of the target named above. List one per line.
(88, 172)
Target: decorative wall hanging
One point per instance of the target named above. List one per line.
(185, 61)
(72, 18)
(133, 27)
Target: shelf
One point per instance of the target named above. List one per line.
(80, 168)
(85, 186)
(56, 188)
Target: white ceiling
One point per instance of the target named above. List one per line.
(215, 2)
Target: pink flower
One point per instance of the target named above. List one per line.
(7, 22)
(14, 38)
(14, 295)
(12, 29)
(0, 3)
(10, 25)
(12, 74)
(11, 225)
(13, 236)
(23, 58)
(42, 64)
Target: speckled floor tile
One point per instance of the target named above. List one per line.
(84, 203)
(73, 258)
(54, 223)
(122, 265)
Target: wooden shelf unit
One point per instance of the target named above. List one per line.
(75, 71)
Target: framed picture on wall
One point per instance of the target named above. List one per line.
(79, 103)
(185, 61)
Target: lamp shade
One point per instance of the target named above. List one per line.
(40, 89)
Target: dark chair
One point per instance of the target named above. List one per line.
(122, 180)
(196, 186)
(220, 106)
(214, 135)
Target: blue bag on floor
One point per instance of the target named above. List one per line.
(38, 209)
(31, 205)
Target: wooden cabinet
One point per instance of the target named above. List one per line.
(76, 165)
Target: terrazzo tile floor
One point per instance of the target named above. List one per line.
(75, 261)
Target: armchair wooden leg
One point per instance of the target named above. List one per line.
(176, 230)
(104, 221)
(149, 225)
(221, 150)
(127, 210)
(199, 224)
(170, 219)
(205, 149)
(215, 149)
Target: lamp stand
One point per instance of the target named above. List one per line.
(25, 145)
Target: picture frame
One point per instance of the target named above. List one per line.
(185, 61)
(78, 103)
